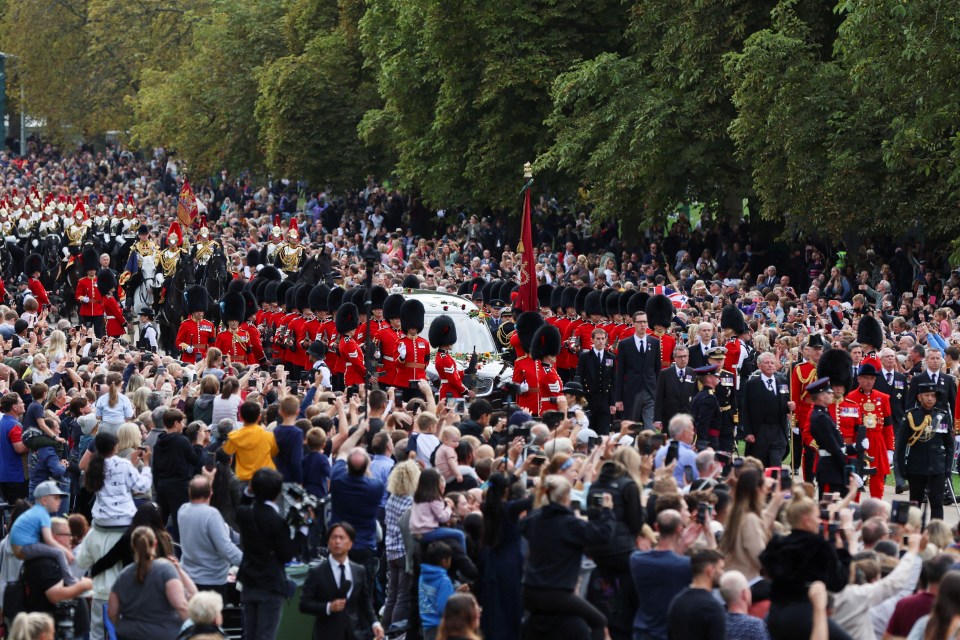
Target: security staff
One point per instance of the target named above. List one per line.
(925, 448)
(705, 408)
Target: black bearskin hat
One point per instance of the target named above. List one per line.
(270, 291)
(391, 306)
(592, 304)
(546, 342)
(335, 299)
(318, 298)
(613, 304)
(106, 281)
(236, 285)
(348, 318)
(443, 332)
(411, 315)
(526, 325)
(271, 273)
(89, 260)
(33, 264)
(837, 365)
(659, 311)
(253, 258)
(732, 318)
(233, 307)
(377, 297)
(556, 298)
(196, 299)
(624, 301)
(869, 332)
(411, 281)
(568, 299)
(282, 292)
(303, 297)
(544, 292)
(637, 303)
(250, 304)
(581, 299)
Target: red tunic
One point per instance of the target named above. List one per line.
(802, 375)
(568, 358)
(116, 323)
(527, 370)
(451, 379)
(412, 365)
(334, 360)
(235, 344)
(584, 333)
(39, 292)
(667, 345)
(255, 353)
(355, 372)
(87, 288)
(200, 336)
(551, 387)
(389, 339)
(877, 417)
(296, 353)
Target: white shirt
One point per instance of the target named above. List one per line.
(641, 342)
(934, 375)
(348, 575)
(768, 382)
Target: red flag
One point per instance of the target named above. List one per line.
(186, 205)
(527, 294)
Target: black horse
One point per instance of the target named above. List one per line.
(171, 309)
(215, 280)
(316, 269)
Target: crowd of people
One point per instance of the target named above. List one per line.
(695, 438)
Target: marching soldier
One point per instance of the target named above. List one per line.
(831, 463)
(195, 335)
(802, 375)
(567, 360)
(233, 341)
(33, 267)
(443, 335)
(875, 412)
(705, 408)
(113, 312)
(355, 370)
(88, 296)
(389, 339)
(525, 370)
(593, 309)
(544, 349)
(413, 351)
(286, 301)
(251, 309)
(331, 336)
(870, 337)
(925, 449)
(660, 314)
(738, 350)
(296, 330)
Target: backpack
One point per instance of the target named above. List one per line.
(412, 447)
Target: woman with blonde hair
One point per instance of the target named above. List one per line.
(134, 383)
(149, 598)
(32, 626)
(56, 349)
(129, 439)
(140, 399)
(113, 408)
(401, 486)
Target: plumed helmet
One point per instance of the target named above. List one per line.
(196, 299)
(613, 304)
(233, 307)
(556, 298)
(348, 318)
(391, 306)
(303, 297)
(592, 304)
(318, 298)
(250, 304)
(870, 332)
(377, 297)
(568, 299)
(89, 260)
(526, 325)
(236, 285)
(443, 332)
(544, 292)
(638, 302)
(282, 291)
(106, 281)
(270, 292)
(270, 272)
(253, 257)
(837, 365)
(581, 299)
(546, 342)
(33, 264)
(732, 318)
(411, 281)
(411, 315)
(335, 299)
(660, 311)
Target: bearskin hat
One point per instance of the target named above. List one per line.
(391, 306)
(253, 258)
(411, 281)
(236, 285)
(282, 290)
(624, 301)
(270, 291)
(638, 302)
(526, 325)
(270, 272)
(464, 288)
(592, 304)
(411, 315)
(290, 299)
(106, 281)
(377, 296)
(348, 318)
(303, 297)
(335, 299)
(250, 304)
(870, 332)
(659, 311)
(546, 342)
(443, 332)
(475, 290)
(258, 289)
(89, 260)
(196, 299)
(581, 299)
(556, 298)
(544, 292)
(568, 299)
(732, 318)
(837, 365)
(487, 289)
(33, 264)
(318, 298)
(358, 296)
(233, 307)
(613, 304)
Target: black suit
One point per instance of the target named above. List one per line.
(946, 391)
(355, 622)
(673, 396)
(596, 375)
(697, 357)
(635, 383)
(763, 414)
(898, 406)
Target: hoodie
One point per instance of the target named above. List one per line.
(435, 589)
(203, 408)
(254, 447)
(174, 458)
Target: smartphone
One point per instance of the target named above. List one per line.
(786, 483)
(596, 500)
(906, 540)
(70, 365)
(688, 474)
(450, 401)
(460, 405)
(538, 460)
(593, 441)
(899, 512)
(773, 472)
(673, 452)
(702, 512)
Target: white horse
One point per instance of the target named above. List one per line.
(143, 294)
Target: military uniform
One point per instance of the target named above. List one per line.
(832, 458)
(874, 408)
(801, 375)
(925, 455)
(707, 417)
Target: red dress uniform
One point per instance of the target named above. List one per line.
(3, 290)
(235, 344)
(526, 370)
(334, 359)
(874, 359)
(281, 336)
(352, 355)
(389, 340)
(255, 354)
(113, 313)
(878, 419)
(87, 288)
(518, 348)
(735, 354)
(312, 330)
(551, 387)
(296, 354)
(451, 379)
(412, 365)
(39, 292)
(569, 357)
(199, 335)
(667, 345)
(584, 333)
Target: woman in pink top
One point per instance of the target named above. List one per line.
(430, 511)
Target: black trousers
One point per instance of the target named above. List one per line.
(933, 486)
(600, 417)
(97, 322)
(171, 495)
(558, 602)
(797, 452)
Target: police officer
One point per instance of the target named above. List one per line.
(149, 337)
(705, 408)
(925, 448)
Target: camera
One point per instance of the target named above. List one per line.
(596, 500)
(300, 503)
(63, 615)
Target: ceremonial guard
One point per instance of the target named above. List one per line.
(129, 225)
(6, 225)
(544, 348)
(195, 335)
(76, 233)
(413, 351)
(705, 408)
(802, 375)
(567, 360)
(89, 299)
(877, 419)
(388, 339)
(33, 267)
(660, 314)
(296, 333)
(113, 312)
(204, 249)
(831, 452)
(287, 297)
(738, 350)
(726, 394)
(289, 255)
(870, 337)
(593, 310)
(506, 329)
(314, 313)
(48, 221)
(526, 371)
(355, 370)
(925, 449)
(142, 257)
(837, 365)
(169, 258)
(251, 309)
(118, 222)
(101, 224)
(273, 244)
(443, 335)
(233, 341)
(330, 335)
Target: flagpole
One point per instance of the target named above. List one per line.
(527, 294)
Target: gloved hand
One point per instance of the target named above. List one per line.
(796, 431)
(189, 349)
(865, 443)
(890, 457)
(402, 351)
(524, 387)
(860, 482)
(84, 299)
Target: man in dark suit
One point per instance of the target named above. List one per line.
(894, 384)
(336, 593)
(266, 540)
(699, 353)
(596, 369)
(676, 386)
(638, 364)
(765, 405)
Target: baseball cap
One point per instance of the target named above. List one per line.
(48, 488)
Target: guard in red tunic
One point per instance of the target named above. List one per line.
(88, 296)
(413, 352)
(255, 354)
(870, 337)
(443, 335)
(388, 339)
(33, 267)
(355, 370)
(660, 314)
(296, 352)
(113, 312)
(567, 360)
(543, 351)
(195, 335)
(233, 341)
(378, 296)
(335, 361)
(314, 315)
(525, 370)
(877, 419)
(593, 310)
(734, 327)
(287, 299)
